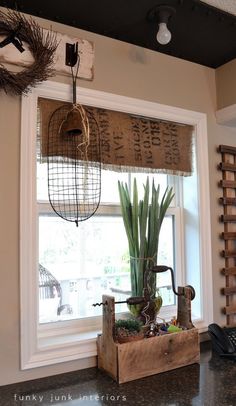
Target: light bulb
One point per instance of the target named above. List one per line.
(163, 34)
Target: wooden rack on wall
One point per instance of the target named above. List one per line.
(228, 201)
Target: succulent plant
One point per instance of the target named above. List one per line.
(130, 325)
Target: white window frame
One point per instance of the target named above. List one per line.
(39, 349)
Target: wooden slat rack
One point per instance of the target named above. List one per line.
(228, 218)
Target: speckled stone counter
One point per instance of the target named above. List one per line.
(212, 383)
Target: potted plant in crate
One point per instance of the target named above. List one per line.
(143, 221)
(128, 330)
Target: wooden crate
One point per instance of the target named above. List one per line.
(134, 360)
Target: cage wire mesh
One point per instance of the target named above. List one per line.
(49, 287)
(74, 163)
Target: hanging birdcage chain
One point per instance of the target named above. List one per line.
(74, 77)
(79, 107)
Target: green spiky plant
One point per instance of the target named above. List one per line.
(143, 223)
(129, 324)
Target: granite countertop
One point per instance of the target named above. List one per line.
(212, 383)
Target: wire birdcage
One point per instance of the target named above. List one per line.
(74, 163)
(49, 287)
(74, 156)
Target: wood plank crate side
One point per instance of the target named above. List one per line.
(158, 354)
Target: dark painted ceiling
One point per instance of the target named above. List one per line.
(200, 33)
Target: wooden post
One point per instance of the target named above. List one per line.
(107, 357)
(184, 307)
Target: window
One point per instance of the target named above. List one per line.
(86, 261)
(45, 342)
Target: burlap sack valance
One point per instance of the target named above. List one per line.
(133, 143)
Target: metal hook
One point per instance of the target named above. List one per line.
(71, 54)
(13, 38)
(72, 58)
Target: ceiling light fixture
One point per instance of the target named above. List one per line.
(161, 15)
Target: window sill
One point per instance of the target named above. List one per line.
(67, 339)
(54, 349)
